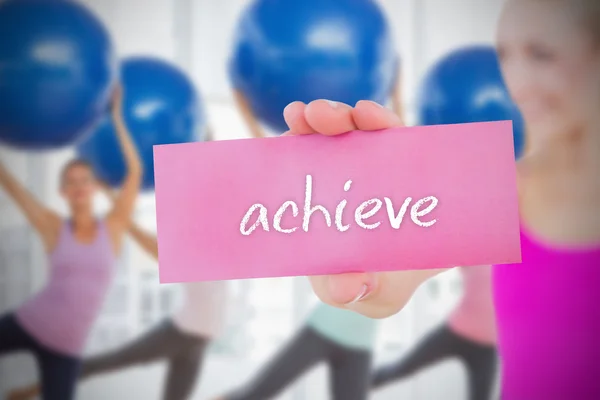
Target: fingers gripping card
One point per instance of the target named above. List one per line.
(403, 198)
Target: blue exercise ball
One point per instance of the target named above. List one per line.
(311, 49)
(56, 71)
(161, 106)
(467, 86)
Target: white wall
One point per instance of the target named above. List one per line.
(197, 34)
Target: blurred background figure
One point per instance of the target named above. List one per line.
(550, 57)
(304, 51)
(468, 335)
(464, 86)
(48, 105)
(180, 340)
(59, 66)
(54, 324)
(342, 339)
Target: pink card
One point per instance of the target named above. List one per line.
(398, 199)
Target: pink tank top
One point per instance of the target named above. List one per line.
(62, 314)
(548, 311)
(474, 317)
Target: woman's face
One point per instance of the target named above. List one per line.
(551, 65)
(79, 186)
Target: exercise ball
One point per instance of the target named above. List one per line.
(161, 106)
(467, 86)
(306, 50)
(56, 71)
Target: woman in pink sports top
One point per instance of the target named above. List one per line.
(547, 307)
(468, 334)
(54, 323)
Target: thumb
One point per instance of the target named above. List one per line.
(342, 290)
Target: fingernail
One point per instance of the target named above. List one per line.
(365, 291)
(370, 102)
(286, 108)
(333, 104)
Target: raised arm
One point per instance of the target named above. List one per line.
(251, 121)
(45, 221)
(146, 240)
(120, 215)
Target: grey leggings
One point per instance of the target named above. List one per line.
(349, 369)
(441, 344)
(183, 352)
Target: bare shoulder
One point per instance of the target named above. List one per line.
(112, 223)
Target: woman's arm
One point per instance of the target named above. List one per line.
(251, 121)
(124, 202)
(46, 222)
(143, 238)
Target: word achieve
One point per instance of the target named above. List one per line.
(360, 215)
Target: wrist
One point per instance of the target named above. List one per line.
(117, 117)
(3, 171)
(135, 169)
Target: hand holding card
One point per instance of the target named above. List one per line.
(409, 198)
